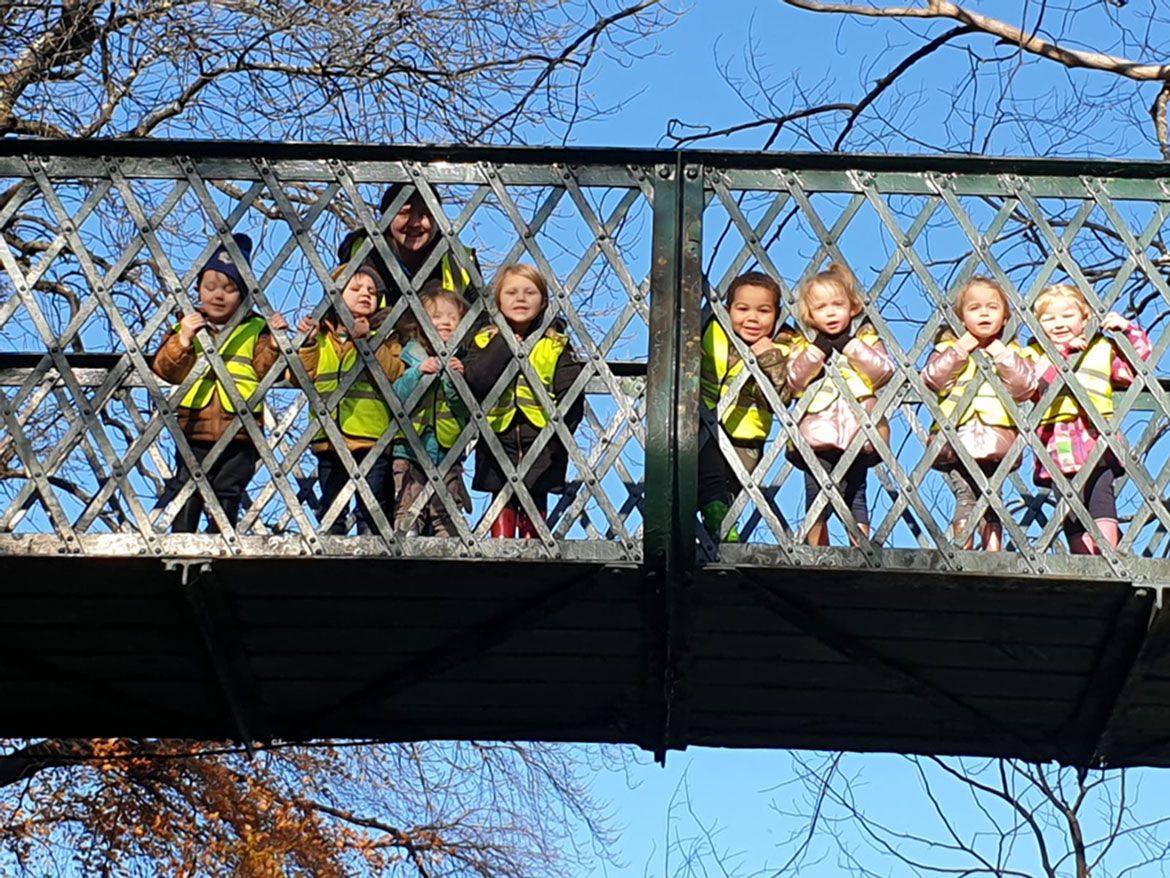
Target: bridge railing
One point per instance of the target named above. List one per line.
(102, 242)
(914, 238)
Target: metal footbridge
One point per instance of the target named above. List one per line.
(624, 620)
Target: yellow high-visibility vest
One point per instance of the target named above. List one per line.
(450, 268)
(826, 389)
(1094, 370)
(434, 412)
(236, 351)
(362, 412)
(543, 357)
(986, 404)
(746, 420)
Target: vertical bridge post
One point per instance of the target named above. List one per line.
(672, 428)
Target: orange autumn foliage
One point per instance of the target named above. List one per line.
(203, 809)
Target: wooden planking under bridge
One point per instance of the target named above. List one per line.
(753, 653)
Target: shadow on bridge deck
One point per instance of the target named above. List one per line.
(751, 654)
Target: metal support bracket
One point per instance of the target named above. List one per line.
(223, 647)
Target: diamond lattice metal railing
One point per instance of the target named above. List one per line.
(102, 243)
(100, 257)
(913, 240)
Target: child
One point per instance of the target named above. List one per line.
(363, 416)
(1067, 434)
(753, 304)
(985, 428)
(521, 295)
(828, 304)
(206, 411)
(438, 418)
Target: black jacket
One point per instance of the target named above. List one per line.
(482, 367)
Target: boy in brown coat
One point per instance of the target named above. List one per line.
(206, 411)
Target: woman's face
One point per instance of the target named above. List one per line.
(520, 301)
(412, 229)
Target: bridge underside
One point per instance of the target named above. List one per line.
(755, 652)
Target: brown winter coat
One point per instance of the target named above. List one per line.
(388, 354)
(173, 364)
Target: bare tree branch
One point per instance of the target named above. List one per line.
(1004, 31)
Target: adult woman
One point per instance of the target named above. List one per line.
(412, 236)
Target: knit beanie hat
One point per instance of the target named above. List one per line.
(392, 192)
(365, 268)
(222, 261)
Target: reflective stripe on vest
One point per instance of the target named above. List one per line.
(745, 419)
(434, 412)
(1094, 371)
(827, 393)
(543, 358)
(236, 352)
(986, 403)
(362, 412)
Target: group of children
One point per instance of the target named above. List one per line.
(837, 372)
(417, 362)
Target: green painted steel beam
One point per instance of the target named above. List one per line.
(311, 153)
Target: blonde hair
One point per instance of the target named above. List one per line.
(981, 280)
(840, 280)
(1061, 292)
(528, 273)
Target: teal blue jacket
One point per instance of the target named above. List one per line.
(413, 355)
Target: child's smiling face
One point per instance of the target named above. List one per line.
(753, 313)
(982, 311)
(361, 295)
(1062, 320)
(520, 301)
(219, 297)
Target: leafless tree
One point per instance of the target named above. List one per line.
(406, 70)
(929, 816)
(1041, 79)
(982, 817)
(474, 71)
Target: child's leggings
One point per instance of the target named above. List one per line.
(852, 487)
(1100, 498)
(716, 479)
(967, 493)
(332, 476)
(229, 476)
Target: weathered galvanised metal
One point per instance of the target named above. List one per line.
(625, 620)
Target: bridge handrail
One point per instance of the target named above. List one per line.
(102, 241)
